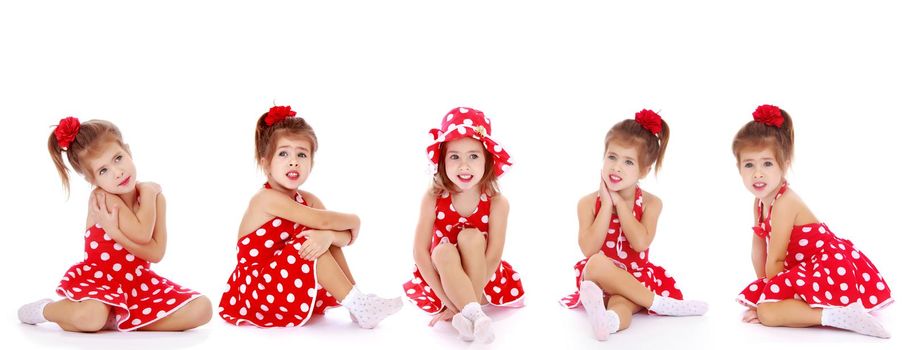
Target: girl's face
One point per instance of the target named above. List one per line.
(465, 162)
(621, 167)
(113, 170)
(761, 173)
(291, 163)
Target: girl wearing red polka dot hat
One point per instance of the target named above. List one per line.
(290, 264)
(616, 227)
(113, 287)
(462, 229)
(805, 275)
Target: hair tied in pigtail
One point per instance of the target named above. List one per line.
(769, 115)
(66, 131)
(649, 120)
(279, 113)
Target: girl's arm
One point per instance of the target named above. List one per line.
(422, 239)
(759, 256)
(496, 235)
(592, 227)
(154, 250)
(277, 204)
(759, 246)
(782, 223)
(640, 234)
(339, 238)
(138, 226)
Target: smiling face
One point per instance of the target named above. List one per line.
(112, 169)
(290, 164)
(761, 173)
(621, 168)
(464, 162)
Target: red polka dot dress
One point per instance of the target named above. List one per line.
(112, 275)
(504, 287)
(820, 269)
(272, 286)
(616, 248)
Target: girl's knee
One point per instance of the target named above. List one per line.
(471, 238)
(444, 253)
(597, 265)
(90, 316)
(767, 315)
(199, 312)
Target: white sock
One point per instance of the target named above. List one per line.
(604, 322)
(854, 318)
(483, 328)
(464, 326)
(673, 307)
(33, 313)
(368, 309)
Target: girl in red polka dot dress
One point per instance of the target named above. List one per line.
(462, 229)
(616, 227)
(113, 287)
(806, 276)
(290, 264)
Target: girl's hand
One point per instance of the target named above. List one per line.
(603, 191)
(608, 196)
(751, 316)
(614, 198)
(356, 228)
(446, 315)
(98, 210)
(318, 241)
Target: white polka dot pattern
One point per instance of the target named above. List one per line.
(272, 286)
(505, 286)
(830, 272)
(616, 247)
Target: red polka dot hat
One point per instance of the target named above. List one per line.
(467, 122)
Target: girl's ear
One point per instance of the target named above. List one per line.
(648, 170)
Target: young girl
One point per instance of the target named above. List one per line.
(806, 276)
(462, 228)
(289, 259)
(113, 286)
(617, 225)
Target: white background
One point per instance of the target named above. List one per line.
(185, 82)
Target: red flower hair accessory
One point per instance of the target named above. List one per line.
(768, 115)
(649, 120)
(279, 113)
(66, 131)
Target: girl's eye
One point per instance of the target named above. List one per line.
(612, 157)
(474, 156)
(302, 155)
(767, 164)
(629, 162)
(748, 165)
(102, 171)
(454, 157)
(283, 154)
(118, 158)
